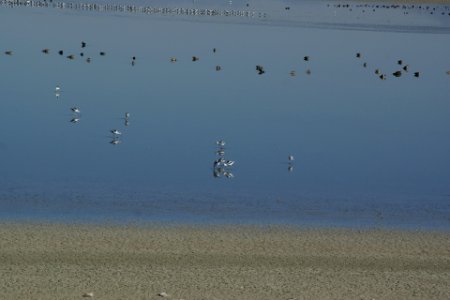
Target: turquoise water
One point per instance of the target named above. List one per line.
(368, 152)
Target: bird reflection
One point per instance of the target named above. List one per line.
(75, 120)
(290, 163)
(115, 141)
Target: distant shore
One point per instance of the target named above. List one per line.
(39, 261)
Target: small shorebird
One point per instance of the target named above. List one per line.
(102, 53)
(220, 143)
(358, 55)
(116, 132)
(416, 74)
(405, 68)
(9, 52)
(383, 76)
(218, 68)
(306, 58)
(377, 71)
(75, 110)
(60, 52)
(45, 51)
(127, 115)
(75, 120)
(83, 44)
(57, 89)
(173, 59)
(228, 163)
(291, 157)
(400, 62)
(71, 56)
(219, 162)
(195, 58)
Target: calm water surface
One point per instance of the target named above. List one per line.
(368, 152)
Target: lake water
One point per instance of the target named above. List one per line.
(367, 152)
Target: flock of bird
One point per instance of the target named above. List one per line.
(406, 8)
(401, 70)
(222, 166)
(128, 8)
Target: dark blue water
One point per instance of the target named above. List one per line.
(368, 152)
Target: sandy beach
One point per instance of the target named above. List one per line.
(233, 262)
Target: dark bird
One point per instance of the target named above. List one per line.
(83, 44)
(400, 62)
(358, 55)
(45, 51)
(405, 68)
(195, 58)
(416, 74)
(133, 58)
(102, 53)
(260, 69)
(218, 68)
(88, 60)
(382, 77)
(81, 54)
(306, 58)
(397, 73)
(71, 56)
(9, 52)
(377, 71)
(365, 65)
(60, 52)
(214, 50)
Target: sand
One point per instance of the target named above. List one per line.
(51, 261)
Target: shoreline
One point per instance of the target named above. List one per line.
(60, 261)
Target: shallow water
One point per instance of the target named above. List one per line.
(368, 152)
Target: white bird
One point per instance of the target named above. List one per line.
(220, 143)
(57, 89)
(75, 120)
(291, 157)
(116, 132)
(228, 163)
(75, 110)
(219, 162)
(127, 115)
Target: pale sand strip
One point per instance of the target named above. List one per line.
(65, 261)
